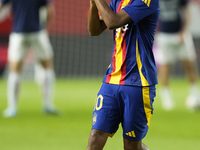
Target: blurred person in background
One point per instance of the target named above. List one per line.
(173, 41)
(195, 21)
(4, 22)
(128, 90)
(28, 33)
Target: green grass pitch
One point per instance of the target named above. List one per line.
(178, 129)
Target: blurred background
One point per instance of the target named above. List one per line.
(80, 64)
(76, 53)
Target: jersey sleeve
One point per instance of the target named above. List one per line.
(139, 9)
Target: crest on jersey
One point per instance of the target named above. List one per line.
(94, 119)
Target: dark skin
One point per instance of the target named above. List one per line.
(108, 18)
(96, 25)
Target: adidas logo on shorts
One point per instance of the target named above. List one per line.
(131, 134)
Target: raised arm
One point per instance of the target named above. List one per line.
(50, 13)
(95, 23)
(0, 5)
(112, 20)
(5, 11)
(186, 22)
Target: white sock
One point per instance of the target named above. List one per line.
(194, 91)
(39, 74)
(193, 100)
(12, 90)
(166, 98)
(165, 93)
(48, 88)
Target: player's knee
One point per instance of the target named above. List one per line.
(97, 140)
(15, 66)
(130, 147)
(46, 64)
(134, 145)
(98, 137)
(96, 134)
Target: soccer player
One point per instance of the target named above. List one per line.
(173, 42)
(128, 90)
(27, 33)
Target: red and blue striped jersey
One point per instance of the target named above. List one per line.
(132, 58)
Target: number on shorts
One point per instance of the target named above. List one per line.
(99, 101)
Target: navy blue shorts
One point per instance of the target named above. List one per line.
(129, 105)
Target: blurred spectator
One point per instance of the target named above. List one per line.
(194, 8)
(174, 42)
(28, 33)
(5, 24)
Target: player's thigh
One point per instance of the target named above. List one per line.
(166, 48)
(47, 63)
(187, 49)
(106, 114)
(15, 66)
(138, 109)
(17, 48)
(41, 44)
